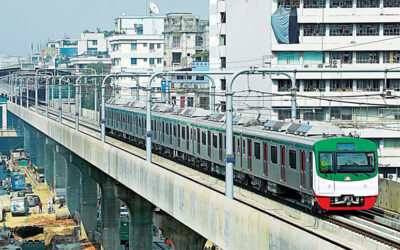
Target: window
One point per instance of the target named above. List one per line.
(274, 154)
(223, 106)
(368, 85)
(94, 42)
(391, 29)
(393, 84)
(152, 46)
(176, 41)
(313, 57)
(176, 57)
(340, 57)
(159, 60)
(257, 150)
(144, 59)
(289, 3)
(336, 114)
(203, 138)
(341, 30)
(223, 84)
(288, 57)
(222, 40)
(133, 46)
(391, 3)
(215, 141)
(341, 4)
(391, 57)
(133, 61)
(223, 17)
(367, 57)
(391, 143)
(325, 163)
(145, 45)
(368, 29)
(292, 159)
(199, 41)
(199, 78)
(158, 45)
(368, 3)
(223, 62)
(311, 4)
(151, 61)
(341, 114)
(313, 115)
(341, 85)
(314, 29)
(183, 129)
(190, 101)
(314, 85)
(285, 85)
(174, 130)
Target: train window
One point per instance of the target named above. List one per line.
(140, 122)
(167, 128)
(174, 130)
(292, 159)
(215, 141)
(274, 154)
(244, 147)
(325, 163)
(183, 132)
(203, 138)
(257, 149)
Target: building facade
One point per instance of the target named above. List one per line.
(342, 34)
(137, 46)
(93, 43)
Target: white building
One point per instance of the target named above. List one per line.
(137, 46)
(93, 43)
(356, 34)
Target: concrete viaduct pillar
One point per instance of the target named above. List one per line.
(110, 210)
(60, 166)
(4, 116)
(140, 218)
(181, 236)
(37, 143)
(73, 195)
(49, 162)
(88, 197)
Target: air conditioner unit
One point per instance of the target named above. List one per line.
(392, 177)
(380, 176)
(305, 66)
(389, 93)
(320, 65)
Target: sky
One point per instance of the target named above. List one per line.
(24, 22)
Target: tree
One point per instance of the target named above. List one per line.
(100, 68)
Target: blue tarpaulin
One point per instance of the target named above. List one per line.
(280, 24)
(285, 26)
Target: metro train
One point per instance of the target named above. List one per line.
(317, 164)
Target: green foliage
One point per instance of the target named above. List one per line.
(100, 68)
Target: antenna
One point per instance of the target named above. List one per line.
(153, 8)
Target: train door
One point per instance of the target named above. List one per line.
(283, 163)
(209, 143)
(244, 159)
(265, 163)
(249, 155)
(170, 133)
(310, 169)
(187, 138)
(198, 141)
(179, 136)
(220, 147)
(303, 168)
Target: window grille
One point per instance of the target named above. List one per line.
(312, 4)
(341, 30)
(368, 29)
(314, 85)
(391, 29)
(341, 85)
(314, 29)
(340, 57)
(367, 57)
(368, 3)
(341, 4)
(368, 85)
(289, 3)
(391, 3)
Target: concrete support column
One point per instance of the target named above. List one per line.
(26, 138)
(40, 149)
(73, 188)
(88, 197)
(140, 218)
(110, 210)
(49, 162)
(4, 117)
(60, 165)
(181, 236)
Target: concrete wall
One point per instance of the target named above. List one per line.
(227, 223)
(389, 195)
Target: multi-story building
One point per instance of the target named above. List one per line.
(186, 49)
(137, 46)
(185, 40)
(93, 43)
(342, 34)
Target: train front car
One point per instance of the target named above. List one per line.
(346, 174)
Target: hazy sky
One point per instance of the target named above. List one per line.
(24, 22)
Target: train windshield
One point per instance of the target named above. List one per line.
(360, 162)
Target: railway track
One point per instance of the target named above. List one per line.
(371, 229)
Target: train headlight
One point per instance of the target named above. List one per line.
(347, 178)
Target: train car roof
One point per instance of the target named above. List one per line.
(274, 130)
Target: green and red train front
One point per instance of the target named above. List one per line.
(346, 174)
